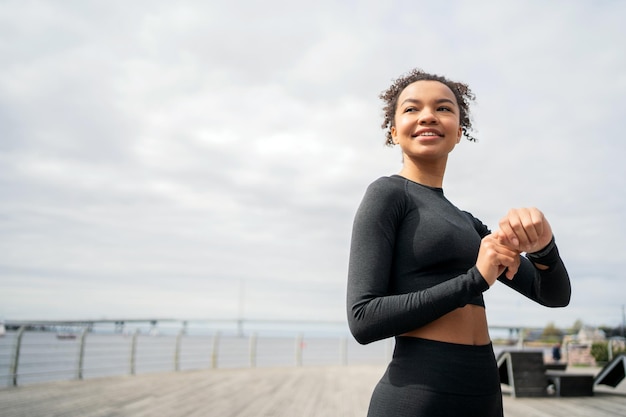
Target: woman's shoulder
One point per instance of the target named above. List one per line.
(389, 187)
(384, 197)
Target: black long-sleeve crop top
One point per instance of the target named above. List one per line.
(412, 260)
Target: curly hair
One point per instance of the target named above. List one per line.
(390, 96)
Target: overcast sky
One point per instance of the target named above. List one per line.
(202, 159)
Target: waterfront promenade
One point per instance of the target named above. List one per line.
(309, 391)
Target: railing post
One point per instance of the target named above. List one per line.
(81, 354)
(299, 346)
(133, 351)
(215, 350)
(343, 350)
(253, 340)
(15, 360)
(179, 339)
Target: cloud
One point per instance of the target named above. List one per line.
(154, 156)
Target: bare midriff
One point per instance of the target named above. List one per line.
(466, 326)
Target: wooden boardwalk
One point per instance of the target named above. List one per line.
(328, 391)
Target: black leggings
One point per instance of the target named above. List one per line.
(427, 378)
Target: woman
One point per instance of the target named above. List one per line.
(419, 265)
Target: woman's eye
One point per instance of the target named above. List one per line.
(443, 108)
(410, 109)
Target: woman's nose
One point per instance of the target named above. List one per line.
(427, 116)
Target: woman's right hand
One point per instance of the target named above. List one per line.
(494, 258)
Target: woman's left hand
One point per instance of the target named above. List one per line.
(526, 230)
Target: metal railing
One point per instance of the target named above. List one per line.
(40, 356)
(619, 341)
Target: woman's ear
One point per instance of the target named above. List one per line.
(459, 135)
(394, 133)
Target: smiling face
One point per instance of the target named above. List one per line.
(427, 121)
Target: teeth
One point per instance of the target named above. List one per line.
(428, 134)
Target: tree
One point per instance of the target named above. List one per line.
(551, 332)
(578, 324)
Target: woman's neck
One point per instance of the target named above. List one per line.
(430, 174)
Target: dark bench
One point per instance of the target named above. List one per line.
(613, 373)
(567, 384)
(524, 372)
(555, 366)
(528, 376)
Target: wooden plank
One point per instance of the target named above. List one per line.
(335, 391)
